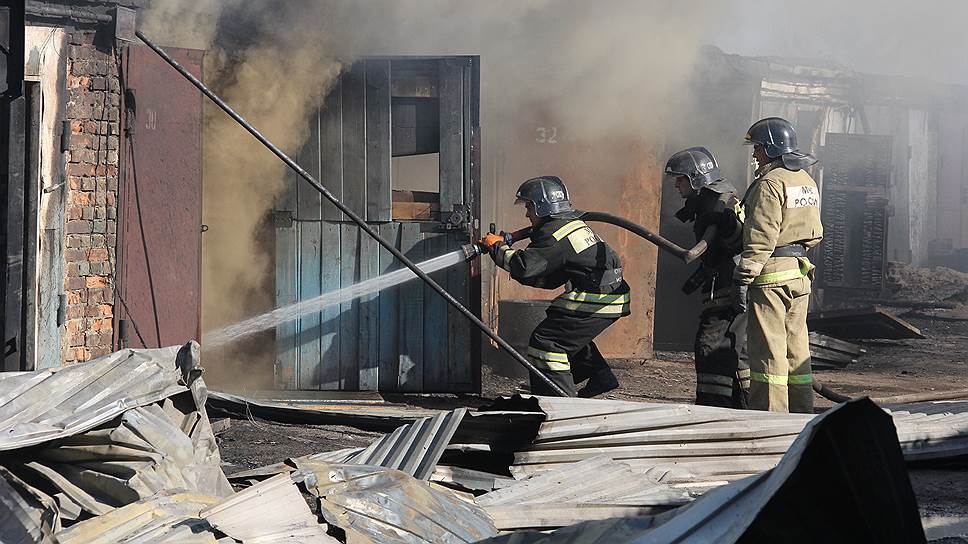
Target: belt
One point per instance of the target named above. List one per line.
(608, 281)
(792, 250)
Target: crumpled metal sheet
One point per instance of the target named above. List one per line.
(167, 517)
(596, 488)
(269, 512)
(413, 448)
(25, 518)
(842, 480)
(375, 505)
(703, 447)
(123, 427)
(37, 407)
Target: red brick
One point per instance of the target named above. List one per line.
(94, 282)
(75, 312)
(74, 183)
(98, 255)
(75, 283)
(75, 340)
(101, 324)
(77, 126)
(73, 255)
(91, 127)
(82, 354)
(105, 309)
(77, 169)
(78, 227)
(110, 199)
(74, 212)
(75, 326)
(77, 297)
(80, 199)
(107, 339)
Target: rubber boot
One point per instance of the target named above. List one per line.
(602, 381)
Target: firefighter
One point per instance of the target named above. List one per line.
(564, 251)
(722, 372)
(782, 222)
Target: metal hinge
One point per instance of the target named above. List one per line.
(459, 218)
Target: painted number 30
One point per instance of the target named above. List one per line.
(546, 135)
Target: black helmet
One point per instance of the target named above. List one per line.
(696, 163)
(548, 194)
(776, 135)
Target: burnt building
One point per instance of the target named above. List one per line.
(892, 171)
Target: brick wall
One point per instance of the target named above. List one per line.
(93, 111)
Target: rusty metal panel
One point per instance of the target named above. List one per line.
(160, 208)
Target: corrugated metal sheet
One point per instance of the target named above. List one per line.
(168, 517)
(109, 432)
(702, 446)
(268, 512)
(378, 505)
(596, 488)
(369, 416)
(23, 518)
(414, 448)
(849, 453)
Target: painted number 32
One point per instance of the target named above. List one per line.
(546, 135)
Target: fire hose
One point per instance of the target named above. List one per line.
(314, 183)
(686, 255)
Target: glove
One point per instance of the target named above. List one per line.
(737, 297)
(490, 241)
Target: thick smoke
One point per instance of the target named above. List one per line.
(604, 71)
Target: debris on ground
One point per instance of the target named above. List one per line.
(129, 454)
(926, 285)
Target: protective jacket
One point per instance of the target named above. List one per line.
(706, 208)
(567, 252)
(782, 216)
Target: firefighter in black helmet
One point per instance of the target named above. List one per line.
(564, 251)
(722, 372)
(782, 222)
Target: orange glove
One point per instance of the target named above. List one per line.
(491, 240)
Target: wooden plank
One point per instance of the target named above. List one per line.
(436, 338)
(329, 329)
(369, 337)
(458, 328)
(389, 309)
(308, 346)
(307, 215)
(451, 134)
(331, 150)
(416, 211)
(349, 325)
(378, 174)
(353, 91)
(286, 291)
(411, 330)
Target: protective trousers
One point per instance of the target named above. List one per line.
(561, 347)
(722, 369)
(779, 347)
